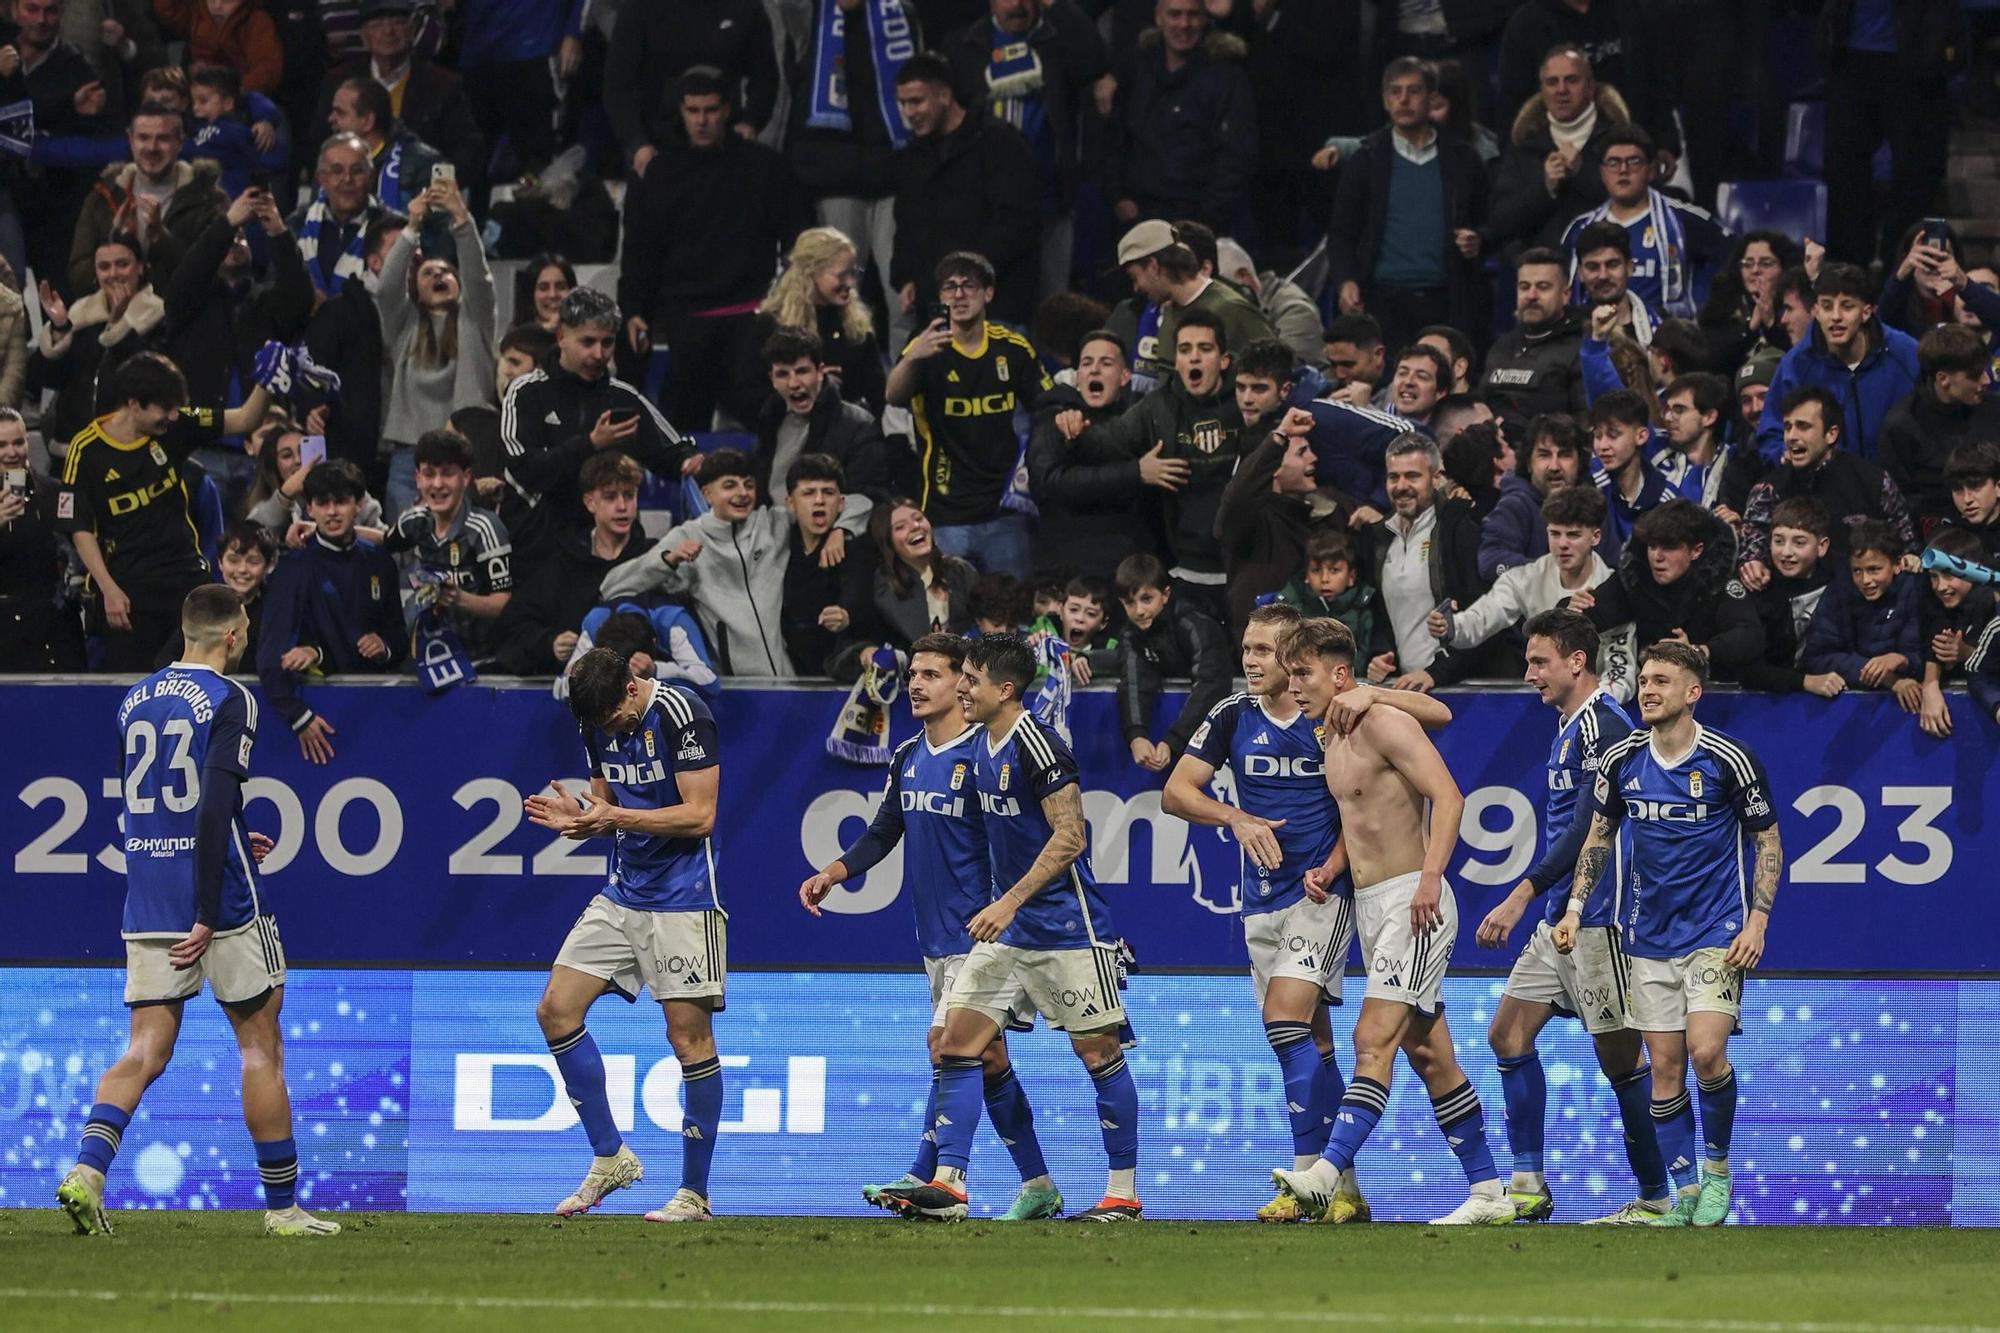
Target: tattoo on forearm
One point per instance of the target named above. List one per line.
(1591, 861)
(1770, 865)
(1064, 811)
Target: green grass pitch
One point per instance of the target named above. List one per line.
(214, 1272)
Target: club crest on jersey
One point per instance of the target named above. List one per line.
(1694, 784)
(957, 776)
(1562, 755)
(651, 745)
(159, 455)
(1000, 369)
(1006, 773)
(1319, 734)
(451, 555)
(374, 587)
(1208, 436)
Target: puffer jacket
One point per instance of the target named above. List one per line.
(1708, 603)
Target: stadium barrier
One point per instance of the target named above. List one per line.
(421, 1081)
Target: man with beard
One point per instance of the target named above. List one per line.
(1094, 514)
(1533, 368)
(1425, 553)
(156, 197)
(1603, 254)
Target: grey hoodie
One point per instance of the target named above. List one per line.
(737, 582)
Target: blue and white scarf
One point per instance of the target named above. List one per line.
(1663, 224)
(389, 179)
(436, 652)
(351, 264)
(861, 730)
(17, 128)
(891, 41)
(1048, 699)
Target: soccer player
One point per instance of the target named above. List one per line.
(1048, 931)
(1589, 983)
(1693, 801)
(1382, 771)
(931, 807)
(194, 910)
(654, 775)
(1298, 933)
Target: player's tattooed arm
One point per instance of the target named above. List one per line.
(1067, 839)
(1770, 867)
(1590, 862)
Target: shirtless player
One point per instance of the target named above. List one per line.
(1381, 771)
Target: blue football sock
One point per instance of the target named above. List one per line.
(1463, 1121)
(925, 1165)
(958, 1096)
(1718, 1115)
(1642, 1144)
(1013, 1120)
(1673, 1126)
(278, 1165)
(1526, 1091)
(701, 1114)
(101, 1136)
(1326, 1102)
(1118, 1113)
(1360, 1111)
(1298, 1060)
(582, 1070)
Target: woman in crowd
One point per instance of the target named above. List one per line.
(1742, 307)
(273, 502)
(816, 291)
(437, 332)
(918, 589)
(81, 344)
(538, 294)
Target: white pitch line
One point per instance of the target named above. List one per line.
(874, 1309)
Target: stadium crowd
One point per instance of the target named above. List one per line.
(900, 316)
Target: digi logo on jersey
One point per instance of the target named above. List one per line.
(1673, 812)
(986, 405)
(1281, 766)
(933, 803)
(1005, 806)
(632, 775)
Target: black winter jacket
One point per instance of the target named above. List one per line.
(972, 189)
(1184, 642)
(707, 227)
(1708, 602)
(1530, 372)
(654, 43)
(212, 330)
(1361, 215)
(1625, 48)
(846, 431)
(559, 590)
(1073, 57)
(1183, 143)
(1918, 435)
(1094, 514)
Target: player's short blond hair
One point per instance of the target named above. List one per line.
(1281, 616)
(1675, 653)
(1319, 636)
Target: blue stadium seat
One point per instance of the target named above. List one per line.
(1796, 208)
(1805, 139)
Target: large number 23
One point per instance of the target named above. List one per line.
(1925, 804)
(142, 747)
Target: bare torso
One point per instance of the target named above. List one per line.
(1381, 811)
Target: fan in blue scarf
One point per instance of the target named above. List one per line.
(352, 262)
(891, 41)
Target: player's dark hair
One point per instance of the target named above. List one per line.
(1951, 347)
(1873, 535)
(1675, 653)
(926, 67)
(1574, 507)
(966, 264)
(1460, 346)
(1845, 280)
(223, 80)
(1000, 599)
(609, 467)
(1318, 636)
(334, 479)
(1570, 631)
(704, 81)
(724, 463)
(1831, 415)
(1803, 513)
(1675, 525)
(1138, 571)
(1263, 358)
(1542, 256)
(788, 346)
(1603, 235)
(1203, 319)
(625, 633)
(1360, 330)
(815, 467)
(1281, 616)
(247, 535)
(1708, 392)
(371, 99)
(1621, 407)
(443, 448)
(1559, 429)
(150, 380)
(1329, 546)
(1970, 465)
(1005, 659)
(1469, 454)
(597, 684)
(209, 610)
(951, 647)
(1960, 542)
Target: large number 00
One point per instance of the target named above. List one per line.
(1925, 804)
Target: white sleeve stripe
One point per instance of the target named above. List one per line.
(1976, 659)
(674, 706)
(659, 419)
(510, 434)
(249, 707)
(1377, 416)
(1228, 703)
(1586, 725)
(1740, 765)
(1033, 744)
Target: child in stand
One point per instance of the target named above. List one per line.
(1865, 628)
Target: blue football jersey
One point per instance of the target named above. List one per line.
(1579, 748)
(1280, 773)
(1014, 778)
(1684, 882)
(676, 734)
(178, 725)
(932, 807)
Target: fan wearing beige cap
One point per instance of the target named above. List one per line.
(1170, 277)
